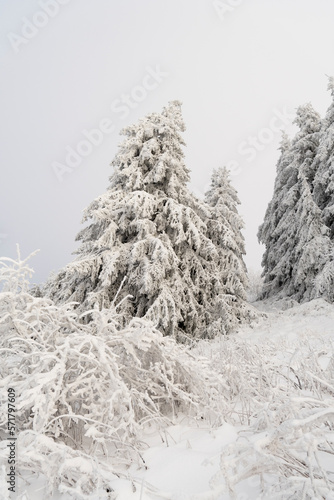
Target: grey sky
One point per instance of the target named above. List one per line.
(240, 68)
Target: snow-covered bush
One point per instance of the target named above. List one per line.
(291, 452)
(282, 395)
(84, 392)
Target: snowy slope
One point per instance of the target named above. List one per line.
(280, 424)
(288, 319)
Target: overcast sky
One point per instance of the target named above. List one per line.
(70, 67)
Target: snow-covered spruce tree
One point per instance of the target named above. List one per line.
(296, 240)
(270, 233)
(324, 166)
(148, 234)
(224, 229)
(313, 250)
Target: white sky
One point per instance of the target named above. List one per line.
(234, 72)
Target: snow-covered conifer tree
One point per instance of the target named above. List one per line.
(313, 249)
(324, 166)
(271, 232)
(148, 234)
(296, 240)
(224, 229)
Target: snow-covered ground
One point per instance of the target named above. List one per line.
(272, 450)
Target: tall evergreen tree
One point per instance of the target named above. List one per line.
(297, 242)
(147, 233)
(277, 222)
(313, 248)
(224, 229)
(324, 166)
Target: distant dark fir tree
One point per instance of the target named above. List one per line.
(147, 240)
(296, 239)
(224, 229)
